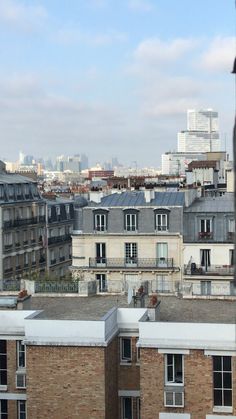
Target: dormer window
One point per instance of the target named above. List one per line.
(100, 221)
(131, 220)
(162, 220)
(205, 228)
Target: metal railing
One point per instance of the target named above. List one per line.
(204, 235)
(10, 284)
(162, 263)
(209, 288)
(58, 239)
(194, 269)
(56, 287)
(23, 221)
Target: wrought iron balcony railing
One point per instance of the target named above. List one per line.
(58, 239)
(194, 269)
(162, 263)
(204, 235)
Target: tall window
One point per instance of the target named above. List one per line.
(131, 221)
(126, 408)
(222, 379)
(20, 354)
(100, 222)
(231, 257)
(102, 283)
(3, 362)
(101, 253)
(162, 254)
(131, 253)
(174, 369)
(21, 409)
(161, 222)
(125, 350)
(3, 409)
(205, 256)
(205, 287)
(205, 228)
(231, 225)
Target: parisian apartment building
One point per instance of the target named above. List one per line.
(99, 357)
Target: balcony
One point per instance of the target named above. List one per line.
(8, 247)
(62, 258)
(141, 263)
(8, 270)
(22, 221)
(205, 235)
(213, 270)
(59, 239)
(231, 235)
(53, 261)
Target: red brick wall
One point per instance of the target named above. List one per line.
(111, 380)
(65, 382)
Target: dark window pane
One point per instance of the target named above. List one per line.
(217, 398)
(178, 369)
(3, 362)
(227, 363)
(127, 408)
(127, 348)
(3, 406)
(3, 378)
(217, 380)
(227, 380)
(170, 373)
(169, 359)
(217, 363)
(227, 398)
(3, 346)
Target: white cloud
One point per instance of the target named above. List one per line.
(155, 51)
(140, 5)
(219, 56)
(71, 35)
(21, 16)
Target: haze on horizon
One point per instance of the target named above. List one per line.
(112, 78)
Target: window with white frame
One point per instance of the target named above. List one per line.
(100, 222)
(3, 362)
(205, 228)
(3, 409)
(58, 210)
(222, 381)
(7, 239)
(131, 253)
(21, 405)
(102, 282)
(231, 225)
(131, 221)
(20, 349)
(126, 408)
(125, 350)
(174, 369)
(162, 221)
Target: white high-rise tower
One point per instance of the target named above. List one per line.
(202, 133)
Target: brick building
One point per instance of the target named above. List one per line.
(96, 357)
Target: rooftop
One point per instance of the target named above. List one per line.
(172, 309)
(137, 198)
(223, 203)
(11, 178)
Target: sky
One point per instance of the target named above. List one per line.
(112, 78)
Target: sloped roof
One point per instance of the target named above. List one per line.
(137, 198)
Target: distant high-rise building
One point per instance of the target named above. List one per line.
(84, 162)
(202, 134)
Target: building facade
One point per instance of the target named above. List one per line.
(128, 239)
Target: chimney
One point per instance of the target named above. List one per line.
(149, 194)
(96, 196)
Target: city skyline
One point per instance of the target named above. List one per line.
(104, 78)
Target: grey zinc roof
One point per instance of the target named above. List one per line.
(11, 178)
(137, 198)
(223, 203)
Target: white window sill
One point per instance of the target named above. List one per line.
(223, 409)
(126, 364)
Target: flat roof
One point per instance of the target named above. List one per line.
(172, 309)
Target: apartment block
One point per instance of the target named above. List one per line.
(98, 357)
(125, 239)
(209, 229)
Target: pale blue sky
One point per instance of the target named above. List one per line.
(112, 77)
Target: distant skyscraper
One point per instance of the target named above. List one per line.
(202, 134)
(84, 162)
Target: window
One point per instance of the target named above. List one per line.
(3, 362)
(205, 228)
(102, 283)
(163, 284)
(231, 257)
(3, 409)
(21, 409)
(131, 253)
(231, 226)
(162, 254)
(161, 222)
(173, 369)
(131, 221)
(20, 354)
(205, 287)
(126, 408)
(58, 210)
(7, 239)
(101, 253)
(49, 212)
(26, 259)
(205, 256)
(125, 350)
(222, 380)
(100, 222)
(33, 257)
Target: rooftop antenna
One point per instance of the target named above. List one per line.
(234, 147)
